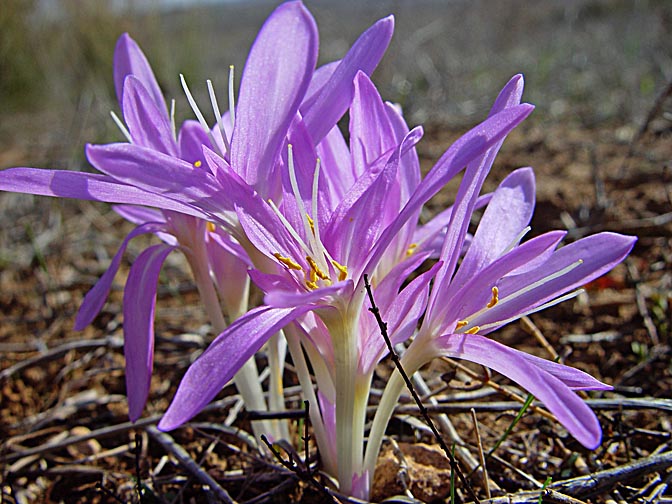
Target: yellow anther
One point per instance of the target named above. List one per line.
(311, 222)
(495, 298)
(287, 262)
(311, 285)
(411, 248)
(342, 270)
(473, 330)
(314, 267)
(461, 323)
(210, 227)
(198, 164)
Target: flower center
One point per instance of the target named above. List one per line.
(320, 266)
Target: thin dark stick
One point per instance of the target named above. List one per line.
(395, 358)
(138, 452)
(303, 474)
(105, 491)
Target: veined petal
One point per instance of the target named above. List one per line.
(320, 77)
(598, 254)
(476, 292)
(165, 175)
(337, 172)
(322, 113)
(139, 304)
(139, 214)
(467, 148)
(427, 235)
(569, 409)
(505, 217)
(401, 317)
(95, 299)
(573, 378)
(273, 84)
(84, 186)
(147, 123)
(130, 60)
(371, 134)
(223, 358)
(191, 140)
(288, 299)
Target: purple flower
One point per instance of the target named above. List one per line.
(498, 281)
(278, 81)
(350, 213)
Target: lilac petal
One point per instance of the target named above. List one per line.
(274, 81)
(427, 234)
(476, 292)
(165, 175)
(514, 198)
(569, 409)
(288, 299)
(266, 232)
(354, 228)
(573, 378)
(138, 214)
(467, 148)
(337, 173)
(130, 60)
(409, 169)
(268, 282)
(599, 253)
(148, 124)
(320, 77)
(95, 299)
(322, 113)
(510, 95)
(304, 161)
(371, 134)
(223, 358)
(475, 174)
(139, 304)
(142, 215)
(191, 140)
(390, 285)
(84, 186)
(401, 317)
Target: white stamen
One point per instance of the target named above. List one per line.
(218, 115)
(316, 225)
(516, 240)
(533, 310)
(232, 97)
(297, 195)
(121, 126)
(290, 228)
(199, 115)
(473, 318)
(173, 128)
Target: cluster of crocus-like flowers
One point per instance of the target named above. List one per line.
(272, 193)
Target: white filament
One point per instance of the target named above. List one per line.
(197, 112)
(173, 128)
(218, 115)
(473, 318)
(121, 126)
(232, 98)
(553, 302)
(516, 240)
(289, 227)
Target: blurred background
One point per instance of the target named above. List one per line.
(584, 60)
